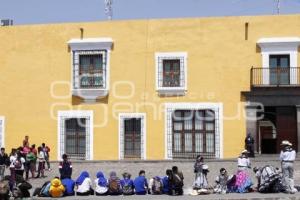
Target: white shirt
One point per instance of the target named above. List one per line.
(100, 189)
(13, 159)
(288, 155)
(85, 186)
(41, 156)
(244, 162)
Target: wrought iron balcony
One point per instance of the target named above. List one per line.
(275, 77)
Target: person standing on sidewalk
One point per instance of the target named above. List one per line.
(249, 145)
(41, 160)
(46, 151)
(4, 162)
(287, 158)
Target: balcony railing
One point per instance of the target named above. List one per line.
(279, 76)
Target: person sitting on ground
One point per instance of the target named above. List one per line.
(177, 181)
(69, 185)
(42, 191)
(101, 183)
(65, 168)
(165, 181)
(127, 184)
(156, 185)
(243, 181)
(24, 186)
(268, 179)
(140, 184)
(56, 188)
(114, 185)
(4, 188)
(221, 182)
(84, 184)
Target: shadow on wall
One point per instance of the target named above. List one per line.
(77, 100)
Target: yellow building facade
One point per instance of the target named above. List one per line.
(148, 89)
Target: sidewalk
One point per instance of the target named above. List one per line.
(249, 196)
(154, 168)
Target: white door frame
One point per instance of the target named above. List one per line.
(67, 114)
(122, 117)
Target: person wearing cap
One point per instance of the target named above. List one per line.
(287, 158)
(249, 145)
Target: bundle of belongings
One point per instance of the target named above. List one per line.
(269, 179)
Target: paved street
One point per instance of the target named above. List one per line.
(159, 167)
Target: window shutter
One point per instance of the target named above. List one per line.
(182, 72)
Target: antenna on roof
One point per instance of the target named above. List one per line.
(278, 7)
(108, 9)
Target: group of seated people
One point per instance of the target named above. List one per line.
(269, 179)
(170, 184)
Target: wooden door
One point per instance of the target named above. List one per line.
(286, 121)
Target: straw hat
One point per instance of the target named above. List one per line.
(286, 143)
(244, 151)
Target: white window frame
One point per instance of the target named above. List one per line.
(2, 131)
(67, 114)
(279, 46)
(90, 44)
(159, 57)
(122, 117)
(171, 107)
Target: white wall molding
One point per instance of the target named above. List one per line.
(279, 46)
(122, 117)
(216, 107)
(67, 114)
(159, 57)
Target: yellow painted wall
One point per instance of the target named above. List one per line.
(32, 57)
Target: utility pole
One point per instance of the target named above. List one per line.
(108, 9)
(278, 7)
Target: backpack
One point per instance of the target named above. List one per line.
(177, 180)
(18, 163)
(127, 188)
(4, 187)
(113, 186)
(157, 186)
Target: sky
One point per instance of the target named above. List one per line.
(59, 11)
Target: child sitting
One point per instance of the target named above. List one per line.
(127, 184)
(101, 183)
(156, 185)
(221, 182)
(69, 185)
(84, 184)
(114, 186)
(56, 188)
(140, 184)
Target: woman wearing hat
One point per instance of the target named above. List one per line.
(243, 181)
(287, 158)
